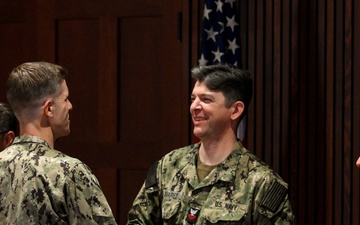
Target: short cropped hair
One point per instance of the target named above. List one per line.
(236, 84)
(32, 82)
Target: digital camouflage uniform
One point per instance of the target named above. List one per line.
(240, 190)
(40, 185)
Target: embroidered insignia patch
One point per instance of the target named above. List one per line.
(192, 215)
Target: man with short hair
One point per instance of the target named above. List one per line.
(40, 185)
(215, 181)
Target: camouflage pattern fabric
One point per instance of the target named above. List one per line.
(240, 190)
(40, 185)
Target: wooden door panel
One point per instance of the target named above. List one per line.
(11, 39)
(140, 86)
(77, 50)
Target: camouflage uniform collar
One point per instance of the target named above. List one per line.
(30, 139)
(227, 169)
(187, 166)
(224, 173)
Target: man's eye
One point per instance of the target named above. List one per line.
(206, 100)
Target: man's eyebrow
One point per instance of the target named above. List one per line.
(202, 95)
(206, 95)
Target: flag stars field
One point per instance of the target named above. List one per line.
(220, 37)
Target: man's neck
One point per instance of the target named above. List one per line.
(215, 151)
(44, 134)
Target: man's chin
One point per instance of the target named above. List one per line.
(63, 135)
(197, 134)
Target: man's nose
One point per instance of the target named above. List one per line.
(70, 105)
(195, 105)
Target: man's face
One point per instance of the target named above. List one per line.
(210, 116)
(60, 120)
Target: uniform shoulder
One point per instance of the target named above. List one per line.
(170, 163)
(256, 168)
(72, 162)
(180, 153)
(264, 172)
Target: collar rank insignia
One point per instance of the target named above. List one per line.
(192, 215)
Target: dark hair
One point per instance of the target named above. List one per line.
(233, 82)
(8, 120)
(31, 82)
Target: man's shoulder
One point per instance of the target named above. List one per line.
(256, 168)
(41, 157)
(183, 153)
(177, 159)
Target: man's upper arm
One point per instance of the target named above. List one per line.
(146, 208)
(89, 202)
(273, 205)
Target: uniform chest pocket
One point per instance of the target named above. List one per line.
(223, 216)
(170, 208)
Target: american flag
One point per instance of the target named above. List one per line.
(220, 39)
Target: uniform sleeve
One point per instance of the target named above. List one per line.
(146, 208)
(272, 205)
(86, 201)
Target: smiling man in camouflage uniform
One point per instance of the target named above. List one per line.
(216, 181)
(40, 185)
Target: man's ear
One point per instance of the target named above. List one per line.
(48, 108)
(238, 109)
(9, 138)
